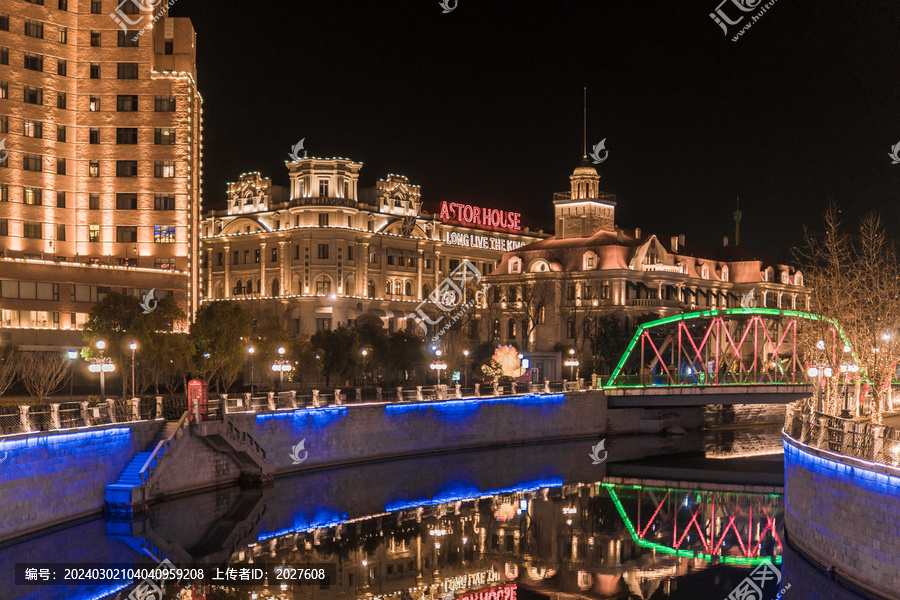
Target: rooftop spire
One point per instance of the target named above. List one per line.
(584, 129)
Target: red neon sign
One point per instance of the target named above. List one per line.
(481, 217)
(500, 592)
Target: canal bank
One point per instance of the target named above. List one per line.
(76, 474)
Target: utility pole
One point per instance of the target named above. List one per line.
(737, 223)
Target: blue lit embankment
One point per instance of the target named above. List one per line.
(844, 512)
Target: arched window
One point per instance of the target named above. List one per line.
(784, 277)
(249, 286)
(276, 289)
(408, 288)
(388, 286)
(798, 279)
(425, 290)
(590, 261)
(725, 273)
(258, 285)
(370, 291)
(239, 288)
(515, 265)
(704, 272)
(323, 285)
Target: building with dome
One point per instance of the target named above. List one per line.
(324, 251)
(553, 291)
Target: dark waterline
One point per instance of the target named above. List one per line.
(541, 516)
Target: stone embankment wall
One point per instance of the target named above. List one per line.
(845, 513)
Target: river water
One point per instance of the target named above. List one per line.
(695, 517)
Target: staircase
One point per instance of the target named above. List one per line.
(247, 453)
(128, 493)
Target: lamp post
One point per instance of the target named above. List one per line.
(281, 366)
(102, 365)
(73, 354)
(364, 353)
(133, 347)
(572, 362)
(466, 361)
(250, 351)
(438, 365)
(819, 371)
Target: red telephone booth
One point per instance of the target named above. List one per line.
(198, 399)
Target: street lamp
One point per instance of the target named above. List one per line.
(438, 366)
(103, 365)
(572, 362)
(250, 351)
(281, 366)
(73, 354)
(133, 347)
(466, 360)
(819, 371)
(364, 353)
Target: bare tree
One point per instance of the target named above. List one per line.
(43, 373)
(530, 307)
(580, 309)
(9, 367)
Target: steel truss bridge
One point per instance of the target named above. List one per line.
(736, 346)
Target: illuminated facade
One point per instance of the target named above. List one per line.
(101, 188)
(592, 268)
(329, 252)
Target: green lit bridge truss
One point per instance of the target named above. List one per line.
(736, 346)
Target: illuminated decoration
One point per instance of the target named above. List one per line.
(506, 362)
(762, 350)
(485, 242)
(451, 584)
(713, 550)
(500, 592)
(505, 512)
(482, 218)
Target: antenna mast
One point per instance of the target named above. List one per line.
(584, 130)
(737, 223)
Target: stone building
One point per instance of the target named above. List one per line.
(554, 290)
(100, 190)
(325, 251)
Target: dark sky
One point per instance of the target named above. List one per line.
(484, 104)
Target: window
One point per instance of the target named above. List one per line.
(62, 67)
(126, 234)
(323, 219)
(127, 135)
(4, 55)
(94, 104)
(373, 258)
(33, 95)
(60, 199)
(408, 290)
(164, 104)
(38, 2)
(94, 135)
(163, 202)
(32, 162)
(126, 201)
(604, 290)
(127, 70)
(496, 328)
(95, 70)
(164, 234)
(126, 168)
(63, 32)
(390, 260)
(34, 29)
(246, 256)
(274, 257)
(60, 133)
(323, 251)
(61, 100)
(96, 7)
(323, 325)
(4, 90)
(34, 62)
(127, 39)
(570, 329)
(164, 168)
(32, 229)
(95, 38)
(513, 295)
(4, 125)
(164, 137)
(94, 233)
(4, 227)
(127, 103)
(33, 196)
(323, 286)
(323, 188)
(166, 264)
(61, 232)
(60, 166)
(33, 129)
(349, 252)
(170, 47)
(94, 168)
(571, 291)
(4, 22)
(94, 202)
(511, 329)
(256, 256)
(4, 192)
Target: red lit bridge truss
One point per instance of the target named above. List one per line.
(733, 527)
(717, 347)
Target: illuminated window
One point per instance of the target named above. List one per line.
(164, 168)
(126, 233)
(496, 328)
(94, 104)
(256, 256)
(166, 264)
(274, 255)
(4, 192)
(164, 104)
(512, 329)
(32, 229)
(127, 135)
(323, 286)
(323, 188)
(398, 288)
(32, 162)
(34, 29)
(164, 137)
(164, 234)
(94, 168)
(33, 129)
(33, 196)
(63, 32)
(95, 71)
(604, 290)
(725, 273)
(127, 70)
(4, 91)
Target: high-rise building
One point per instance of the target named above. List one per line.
(100, 190)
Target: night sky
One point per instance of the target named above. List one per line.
(484, 104)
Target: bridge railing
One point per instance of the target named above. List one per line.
(745, 378)
(61, 416)
(866, 441)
